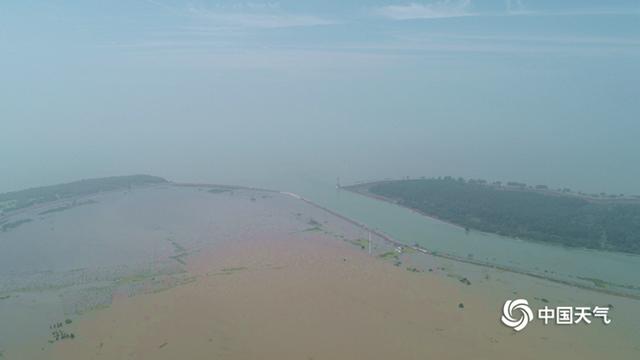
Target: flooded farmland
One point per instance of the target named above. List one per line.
(158, 271)
(61, 264)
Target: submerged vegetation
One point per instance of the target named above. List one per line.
(58, 332)
(67, 207)
(389, 255)
(218, 191)
(362, 243)
(14, 224)
(519, 211)
(315, 226)
(179, 252)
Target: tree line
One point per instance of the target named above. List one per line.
(566, 220)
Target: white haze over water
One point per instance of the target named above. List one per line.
(280, 94)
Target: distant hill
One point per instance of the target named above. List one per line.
(514, 211)
(16, 200)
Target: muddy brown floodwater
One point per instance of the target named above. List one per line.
(291, 287)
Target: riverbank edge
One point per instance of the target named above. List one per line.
(362, 189)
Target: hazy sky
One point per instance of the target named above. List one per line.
(260, 93)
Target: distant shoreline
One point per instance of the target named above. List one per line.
(595, 198)
(362, 189)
